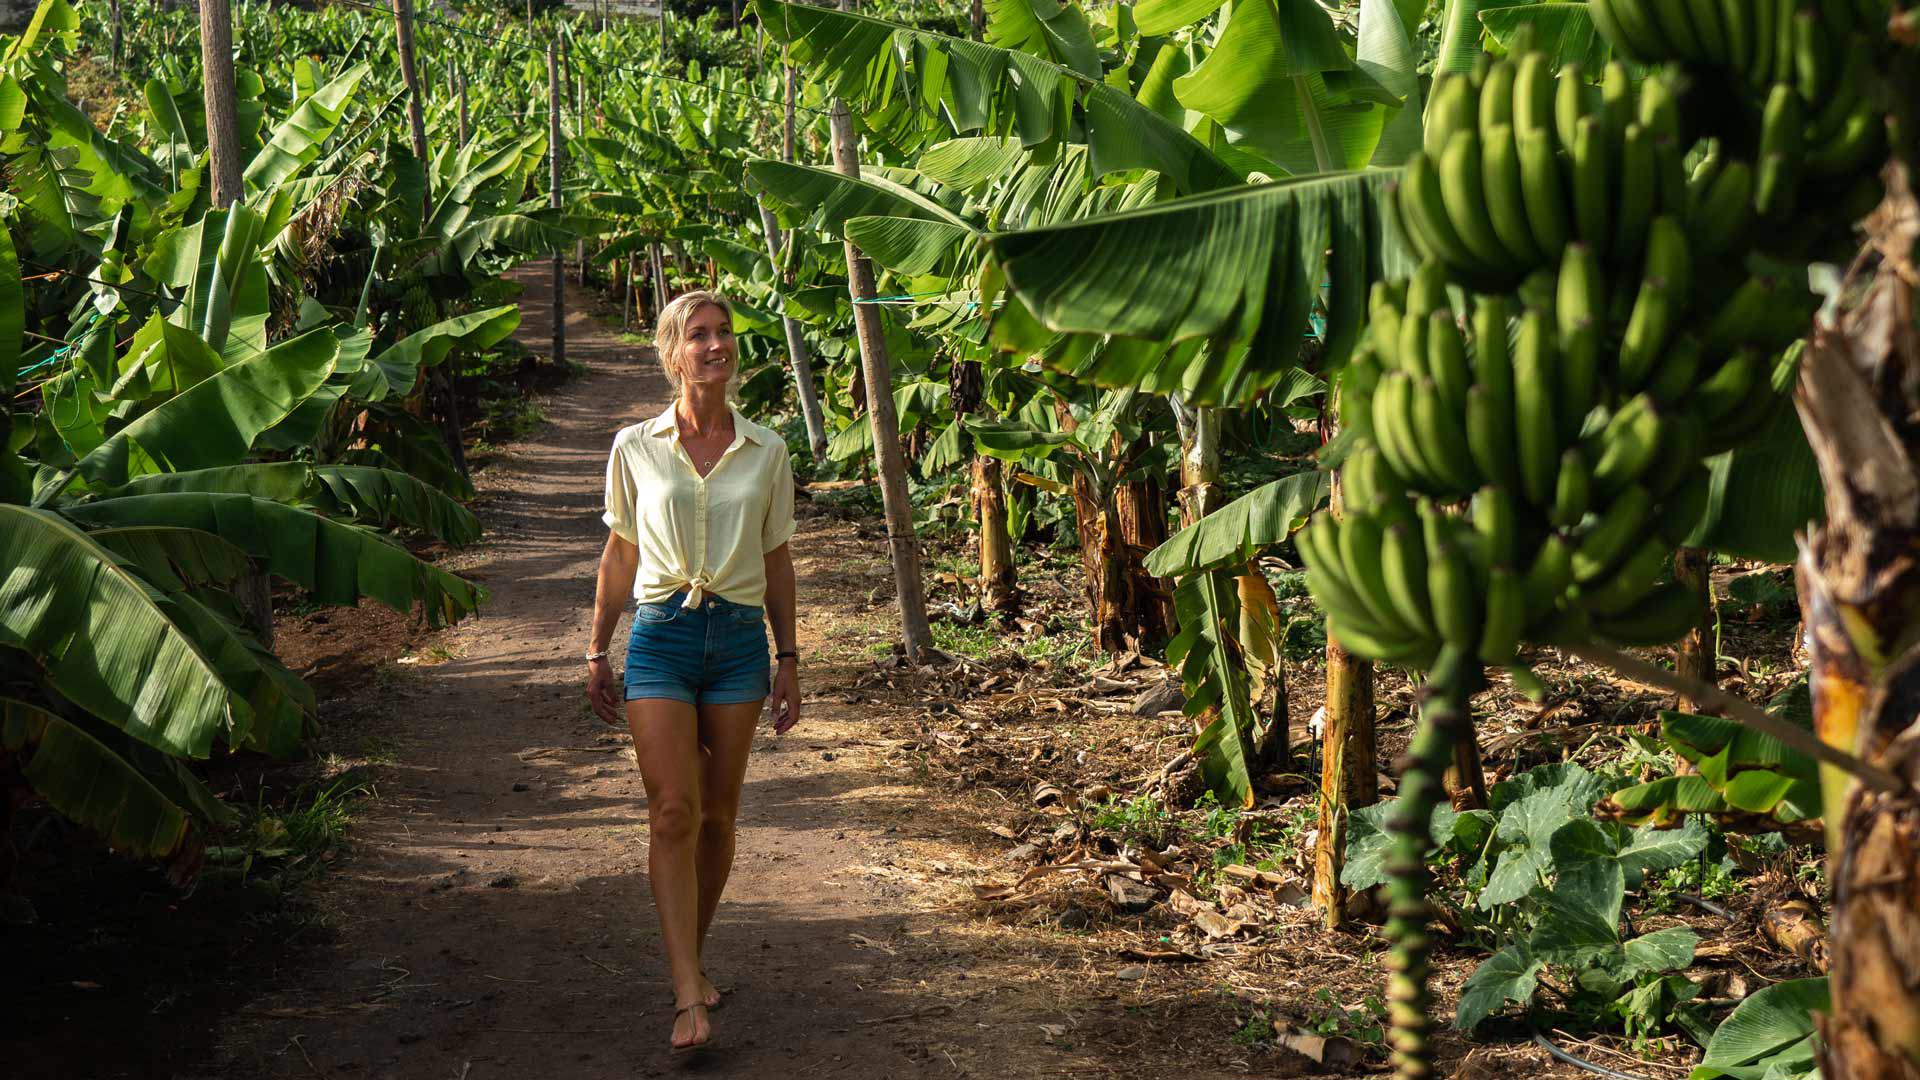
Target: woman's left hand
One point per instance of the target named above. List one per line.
(785, 700)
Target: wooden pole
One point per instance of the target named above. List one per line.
(466, 130)
(889, 456)
(659, 280)
(403, 40)
(979, 14)
(119, 36)
(216, 62)
(555, 169)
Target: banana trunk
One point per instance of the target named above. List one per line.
(1859, 587)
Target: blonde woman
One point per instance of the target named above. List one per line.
(699, 510)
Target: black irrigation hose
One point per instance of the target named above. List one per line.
(1583, 1063)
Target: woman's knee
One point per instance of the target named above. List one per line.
(717, 820)
(674, 819)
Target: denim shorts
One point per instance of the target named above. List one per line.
(715, 653)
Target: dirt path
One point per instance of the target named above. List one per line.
(494, 919)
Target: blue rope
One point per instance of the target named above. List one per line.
(61, 352)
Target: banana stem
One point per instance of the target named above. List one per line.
(1739, 709)
(1444, 720)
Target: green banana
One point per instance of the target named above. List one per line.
(1617, 104)
(1659, 106)
(1383, 333)
(1721, 393)
(1629, 444)
(1813, 56)
(1736, 20)
(1490, 435)
(1403, 562)
(1859, 142)
(1492, 360)
(1671, 17)
(1619, 27)
(1639, 191)
(1506, 616)
(1497, 523)
(1548, 577)
(1593, 183)
(1505, 195)
(1533, 90)
(1785, 43)
(1375, 646)
(1618, 526)
(1360, 542)
(1453, 107)
(1580, 309)
(1387, 433)
(1732, 325)
(1765, 41)
(1441, 438)
(1411, 350)
(1704, 15)
(1572, 102)
(1360, 480)
(1535, 427)
(1548, 214)
(1664, 288)
(1427, 289)
(1447, 359)
(1456, 602)
(1573, 489)
(1463, 195)
(1683, 442)
(1496, 97)
(1724, 214)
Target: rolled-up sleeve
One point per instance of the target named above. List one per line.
(779, 525)
(619, 513)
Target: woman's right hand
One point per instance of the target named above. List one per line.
(602, 692)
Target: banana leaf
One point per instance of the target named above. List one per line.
(396, 368)
(93, 781)
(1763, 493)
(1243, 268)
(215, 421)
(1238, 531)
(375, 496)
(13, 310)
(1214, 677)
(336, 562)
(1054, 30)
(100, 638)
(296, 142)
(1565, 32)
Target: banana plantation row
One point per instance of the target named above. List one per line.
(1561, 301)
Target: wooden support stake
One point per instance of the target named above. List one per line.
(119, 35)
(1695, 655)
(409, 73)
(555, 149)
(216, 62)
(903, 545)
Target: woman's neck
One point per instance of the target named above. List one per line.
(702, 410)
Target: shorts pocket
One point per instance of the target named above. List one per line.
(656, 613)
(752, 616)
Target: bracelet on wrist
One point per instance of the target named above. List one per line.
(595, 654)
(786, 654)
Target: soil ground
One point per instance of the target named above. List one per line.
(905, 900)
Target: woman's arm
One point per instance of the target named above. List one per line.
(619, 561)
(780, 613)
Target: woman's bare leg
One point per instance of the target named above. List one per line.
(666, 742)
(726, 733)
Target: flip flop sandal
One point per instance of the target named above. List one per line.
(682, 1051)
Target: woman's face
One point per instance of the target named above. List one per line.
(708, 351)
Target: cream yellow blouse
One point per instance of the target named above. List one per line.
(703, 534)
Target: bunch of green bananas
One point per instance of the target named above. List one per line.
(1759, 41)
(1807, 108)
(1580, 452)
(1518, 162)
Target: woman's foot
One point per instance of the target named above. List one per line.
(691, 1029)
(709, 993)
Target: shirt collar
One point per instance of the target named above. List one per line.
(665, 425)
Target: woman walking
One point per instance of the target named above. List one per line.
(699, 511)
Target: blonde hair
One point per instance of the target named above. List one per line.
(670, 333)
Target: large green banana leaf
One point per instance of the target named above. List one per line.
(1054, 30)
(1764, 493)
(376, 496)
(1214, 677)
(13, 310)
(215, 421)
(338, 563)
(1243, 528)
(100, 637)
(395, 369)
(296, 142)
(912, 246)
(1279, 81)
(831, 197)
(914, 86)
(1386, 52)
(1243, 268)
(94, 781)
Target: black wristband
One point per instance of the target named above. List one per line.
(786, 654)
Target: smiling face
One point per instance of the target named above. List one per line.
(708, 353)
